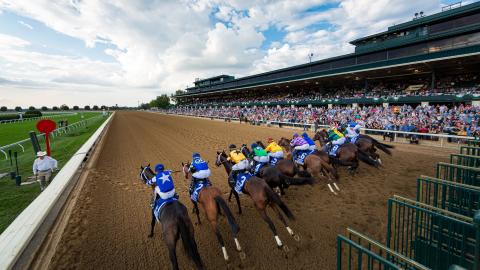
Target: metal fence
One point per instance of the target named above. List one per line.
(470, 150)
(357, 251)
(458, 173)
(475, 143)
(465, 160)
(432, 236)
(454, 197)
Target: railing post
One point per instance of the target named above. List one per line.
(476, 221)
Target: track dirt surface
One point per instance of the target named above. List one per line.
(110, 222)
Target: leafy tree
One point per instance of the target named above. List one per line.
(31, 108)
(18, 109)
(64, 107)
(44, 108)
(180, 92)
(87, 108)
(104, 107)
(55, 108)
(162, 102)
(144, 106)
(76, 108)
(3, 109)
(95, 107)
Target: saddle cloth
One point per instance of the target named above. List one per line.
(301, 155)
(274, 160)
(241, 180)
(333, 150)
(258, 166)
(159, 204)
(197, 187)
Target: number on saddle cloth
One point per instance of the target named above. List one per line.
(274, 160)
(258, 167)
(334, 149)
(353, 139)
(198, 186)
(301, 155)
(159, 204)
(241, 180)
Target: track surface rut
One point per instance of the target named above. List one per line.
(110, 221)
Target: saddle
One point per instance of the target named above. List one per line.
(160, 204)
(257, 167)
(241, 179)
(274, 161)
(198, 185)
(301, 155)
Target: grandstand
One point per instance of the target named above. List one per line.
(432, 59)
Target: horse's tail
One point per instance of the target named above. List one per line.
(272, 196)
(383, 146)
(296, 181)
(228, 213)
(188, 239)
(363, 156)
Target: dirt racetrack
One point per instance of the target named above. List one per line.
(110, 221)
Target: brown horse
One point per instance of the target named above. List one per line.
(175, 224)
(211, 201)
(262, 196)
(347, 155)
(314, 165)
(370, 145)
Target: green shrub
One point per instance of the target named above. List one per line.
(8, 116)
(32, 113)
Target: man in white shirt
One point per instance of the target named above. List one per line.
(43, 167)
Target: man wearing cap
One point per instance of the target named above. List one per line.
(274, 150)
(164, 188)
(43, 167)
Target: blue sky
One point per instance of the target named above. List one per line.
(122, 52)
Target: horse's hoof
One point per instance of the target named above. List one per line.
(242, 255)
(286, 249)
(296, 237)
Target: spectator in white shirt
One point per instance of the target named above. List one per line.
(43, 167)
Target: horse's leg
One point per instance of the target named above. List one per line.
(197, 212)
(284, 221)
(152, 224)
(219, 238)
(230, 196)
(263, 214)
(237, 198)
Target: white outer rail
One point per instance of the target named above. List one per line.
(15, 239)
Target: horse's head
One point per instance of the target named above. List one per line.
(245, 150)
(186, 169)
(284, 142)
(321, 136)
(146, 173)
(221, 158)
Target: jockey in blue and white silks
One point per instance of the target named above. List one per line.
(200, 173)
(353, 131)
(310, 142)
(164, 188)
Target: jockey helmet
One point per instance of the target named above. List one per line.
(254, 145)
(352, 124)
(269, 139)
(195, 155)
(295, 135)
(232, 146)
(159, 167)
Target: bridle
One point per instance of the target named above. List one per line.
(219, 161)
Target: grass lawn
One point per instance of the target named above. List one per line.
(13, 199)
(14, 132)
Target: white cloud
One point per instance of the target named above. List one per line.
(164, 45)
(25, 24)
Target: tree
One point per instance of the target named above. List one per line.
(44, 108)
(76, 108)
(64, 107)
(3, 109)
(18, 109)
(104, 107)
(86, 108)
(95, 107)
(180, 92)
(31, 108)
(55, 108)
(162, 102)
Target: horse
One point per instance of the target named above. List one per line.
(262, 196)
(314, 165)
(275, 178)
(348, 154)
(370, 145)
(210, 199)
(175, 224)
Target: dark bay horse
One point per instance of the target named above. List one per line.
(262, 196)
(175, 224)
(211, 201)
(314, 165)
(275, 178)
(347, 155)
(370, 145)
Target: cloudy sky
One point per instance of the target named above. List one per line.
(86, 52)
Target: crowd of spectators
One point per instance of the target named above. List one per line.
(458, 120)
